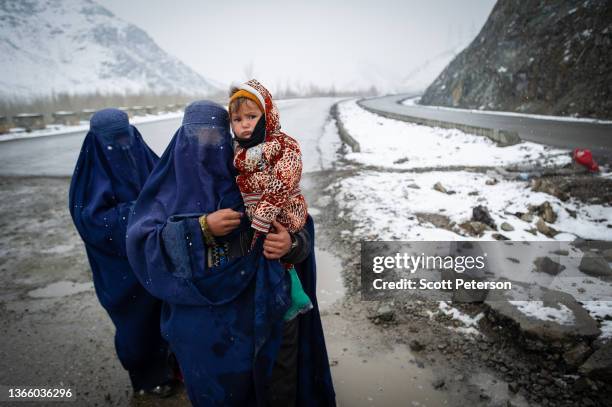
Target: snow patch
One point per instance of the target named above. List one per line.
(385, 205)
(601, 311)
(454, 313)
(536, 309)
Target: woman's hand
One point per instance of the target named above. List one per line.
(277, 243)
(223, 221)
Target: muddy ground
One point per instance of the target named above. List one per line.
(56, 334)
(493, 370)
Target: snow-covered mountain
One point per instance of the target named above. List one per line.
(78, 46)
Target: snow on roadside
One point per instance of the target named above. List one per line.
(328, 145)
(384, 206)
(393, 203)
(400, 145)
(389, 206)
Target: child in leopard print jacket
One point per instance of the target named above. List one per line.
(269, 164)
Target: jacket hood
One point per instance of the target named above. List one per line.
(265, 98)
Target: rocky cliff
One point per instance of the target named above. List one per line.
(546, 57)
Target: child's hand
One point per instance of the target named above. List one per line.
(223, 221)
(277, 243)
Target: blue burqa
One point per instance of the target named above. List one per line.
(112, 167)
(224, 323)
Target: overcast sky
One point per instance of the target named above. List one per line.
(349, 43)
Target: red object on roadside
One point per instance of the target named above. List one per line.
(584, 157)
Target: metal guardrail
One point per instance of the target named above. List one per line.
(503, 138)
(29, 121)
(38, 121)
(66, 118)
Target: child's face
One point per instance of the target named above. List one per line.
(244, 119)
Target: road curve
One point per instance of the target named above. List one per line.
(558, 133)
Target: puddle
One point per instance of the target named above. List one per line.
(497, 390)
(329, 279)
(380, 378)
(8, 297)
(60, 289)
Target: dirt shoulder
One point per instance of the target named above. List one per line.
(55, 333)
(491, 369)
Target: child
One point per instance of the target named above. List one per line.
(269, 165)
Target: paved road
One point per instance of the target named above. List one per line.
(565, 134)
(304, 119)
(56, 155)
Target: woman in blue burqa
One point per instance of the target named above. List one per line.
(112, 167)
(223, 303)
